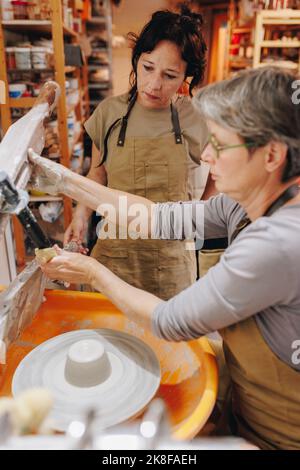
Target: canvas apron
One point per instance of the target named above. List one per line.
(155, 169)
(265, 391)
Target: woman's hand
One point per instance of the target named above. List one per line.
(75, 268)
(70, 267)
(77, 229)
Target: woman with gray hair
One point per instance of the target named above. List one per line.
(252, 296)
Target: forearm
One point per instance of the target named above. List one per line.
(99, 198)
(136, 304)
(82, 209)
(118, 207)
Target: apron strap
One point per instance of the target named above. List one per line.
(240, 226)
(176, 124)
(105, 143)
(286, 196)
(122, 133)
(124, 123)
(291, 192)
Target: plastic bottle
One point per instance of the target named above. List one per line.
(7, 10)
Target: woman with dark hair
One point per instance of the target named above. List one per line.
(148, 142)
(183, 30)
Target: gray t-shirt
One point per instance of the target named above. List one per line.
(259, 274)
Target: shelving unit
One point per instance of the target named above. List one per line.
(95, 24)
(263, 47)
(268, 22)
(55, 29)
(239, 40)
(236, 61)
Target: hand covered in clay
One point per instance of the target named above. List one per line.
(47, 175)
(70, 267)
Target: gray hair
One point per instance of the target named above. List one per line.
(258, 105)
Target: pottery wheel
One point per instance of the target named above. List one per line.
(112, 371)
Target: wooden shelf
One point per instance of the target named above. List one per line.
(99, 86)
(230, 61)
(283, 64)
(242, 30)
(279, 22)
(283, 14)
(275, 18)
(39, 26)
(285, 44)
(99, 49)
(97, 20)
(21, 102)
(68, 69)
(240, 64)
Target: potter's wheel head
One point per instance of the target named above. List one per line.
(110, 370)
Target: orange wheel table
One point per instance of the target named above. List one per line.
(189, 372)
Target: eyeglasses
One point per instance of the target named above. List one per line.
(218, 147)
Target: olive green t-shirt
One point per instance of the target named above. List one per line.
(152, 123)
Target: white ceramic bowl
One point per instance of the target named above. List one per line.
(87, 364)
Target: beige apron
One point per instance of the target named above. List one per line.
(265, 396)
(155, 169)
(265, 391)
(208, 259)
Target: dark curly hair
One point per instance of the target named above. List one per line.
(185, 30)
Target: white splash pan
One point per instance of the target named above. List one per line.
(123, 394)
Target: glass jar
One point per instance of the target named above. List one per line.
(33, 11)
(23, 58)
(7, 10)
(20, 9)
(45, 10)
(39, 58)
